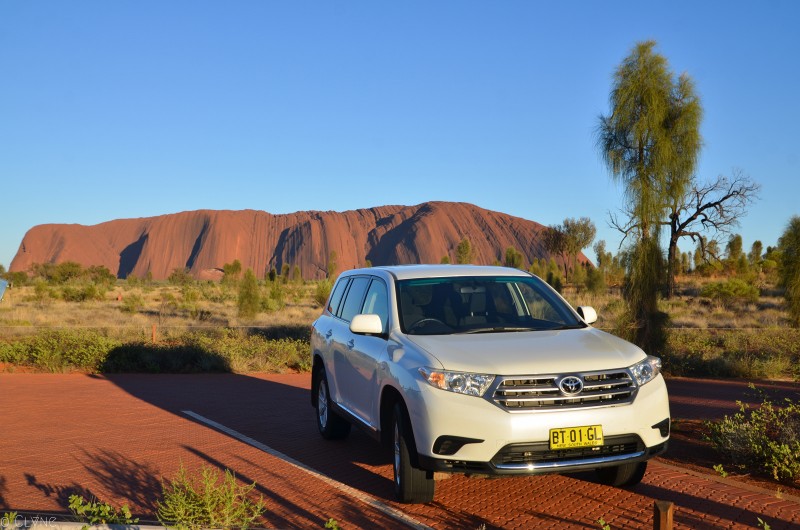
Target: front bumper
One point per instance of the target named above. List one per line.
(537, 458)
(499, 442)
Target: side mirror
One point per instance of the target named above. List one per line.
(588, 314)
(366, 325)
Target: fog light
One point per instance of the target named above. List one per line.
(663, 427)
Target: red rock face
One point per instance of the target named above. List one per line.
(204, 240)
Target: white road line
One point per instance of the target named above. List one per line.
(344, 488)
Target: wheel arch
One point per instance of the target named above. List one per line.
(316, 366)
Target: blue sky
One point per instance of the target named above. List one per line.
(138, 108)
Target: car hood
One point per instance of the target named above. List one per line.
(530, 352)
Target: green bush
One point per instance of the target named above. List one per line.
(57, 350)
(206, 502)
(322, 292)
(770, 353)
(95, 512)
(730, 292)
(765, 439)
(132, 303)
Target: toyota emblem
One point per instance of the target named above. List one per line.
(570, 385)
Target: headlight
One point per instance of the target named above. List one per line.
(458, 382)
(646, 370)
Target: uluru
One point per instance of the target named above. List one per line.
(204, 240)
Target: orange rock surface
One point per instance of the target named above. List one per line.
(204, 240)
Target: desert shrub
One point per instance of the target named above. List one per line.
(732, 353)
(254, 353)
(132, 303)
(207, 501)
(95, 512)
(180, 276)
(765, 439)
(177, 356)
(82, 293)
(322, 291)
(730, 292)
(57, 350)
(249, 301)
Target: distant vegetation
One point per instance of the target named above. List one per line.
(729, 316)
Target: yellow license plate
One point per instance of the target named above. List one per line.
(572, 437)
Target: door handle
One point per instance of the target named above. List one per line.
(351, 343)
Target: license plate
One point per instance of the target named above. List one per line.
(572, 437)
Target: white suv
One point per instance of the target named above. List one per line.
(483, 371)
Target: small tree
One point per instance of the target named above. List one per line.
(179, 276)
(249, 298)
(754, 256)
(789, 268)
(514, 258)
(332, 266)
(232, 272)
(445, 260)
(464, 252)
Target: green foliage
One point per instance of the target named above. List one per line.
(603, 524)
(332, 524)
(445, 260)
(464, 252)
(95, 512)
(207, 501)
(730, 292)
(180, 276)
(9, 520)
(75, 293)
(595, 281)
(132, 303)
(643, 323)
(332, 265)
(650, 142)
(17, 278)
(720, 471)
(767, 353)
(763, 524)
(514, 258)
(249, 301)
(57, 350)
(322, 292)
(789, 270)
(231, 273)
(764, 439)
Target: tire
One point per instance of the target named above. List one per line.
(331, 426)
(411, 485)
(623, 476)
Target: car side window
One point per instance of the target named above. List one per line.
(353, 299)
(336, 297)
(377, 302)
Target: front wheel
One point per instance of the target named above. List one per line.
(622, 476)
(411, 485)
(331, 426)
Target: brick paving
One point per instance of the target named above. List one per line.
(115, 436)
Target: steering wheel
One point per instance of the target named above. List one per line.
(425, 322)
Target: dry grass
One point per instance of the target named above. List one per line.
(707, 337)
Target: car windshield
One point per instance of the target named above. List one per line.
(481, 304)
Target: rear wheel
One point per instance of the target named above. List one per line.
(622, 476)
(411, 485)
(331, 426)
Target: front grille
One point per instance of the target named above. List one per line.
(523, 393)
(540, 453)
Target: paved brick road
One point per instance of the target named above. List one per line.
(116, 436)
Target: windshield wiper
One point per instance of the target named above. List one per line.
(497, 329)
(569, 326)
